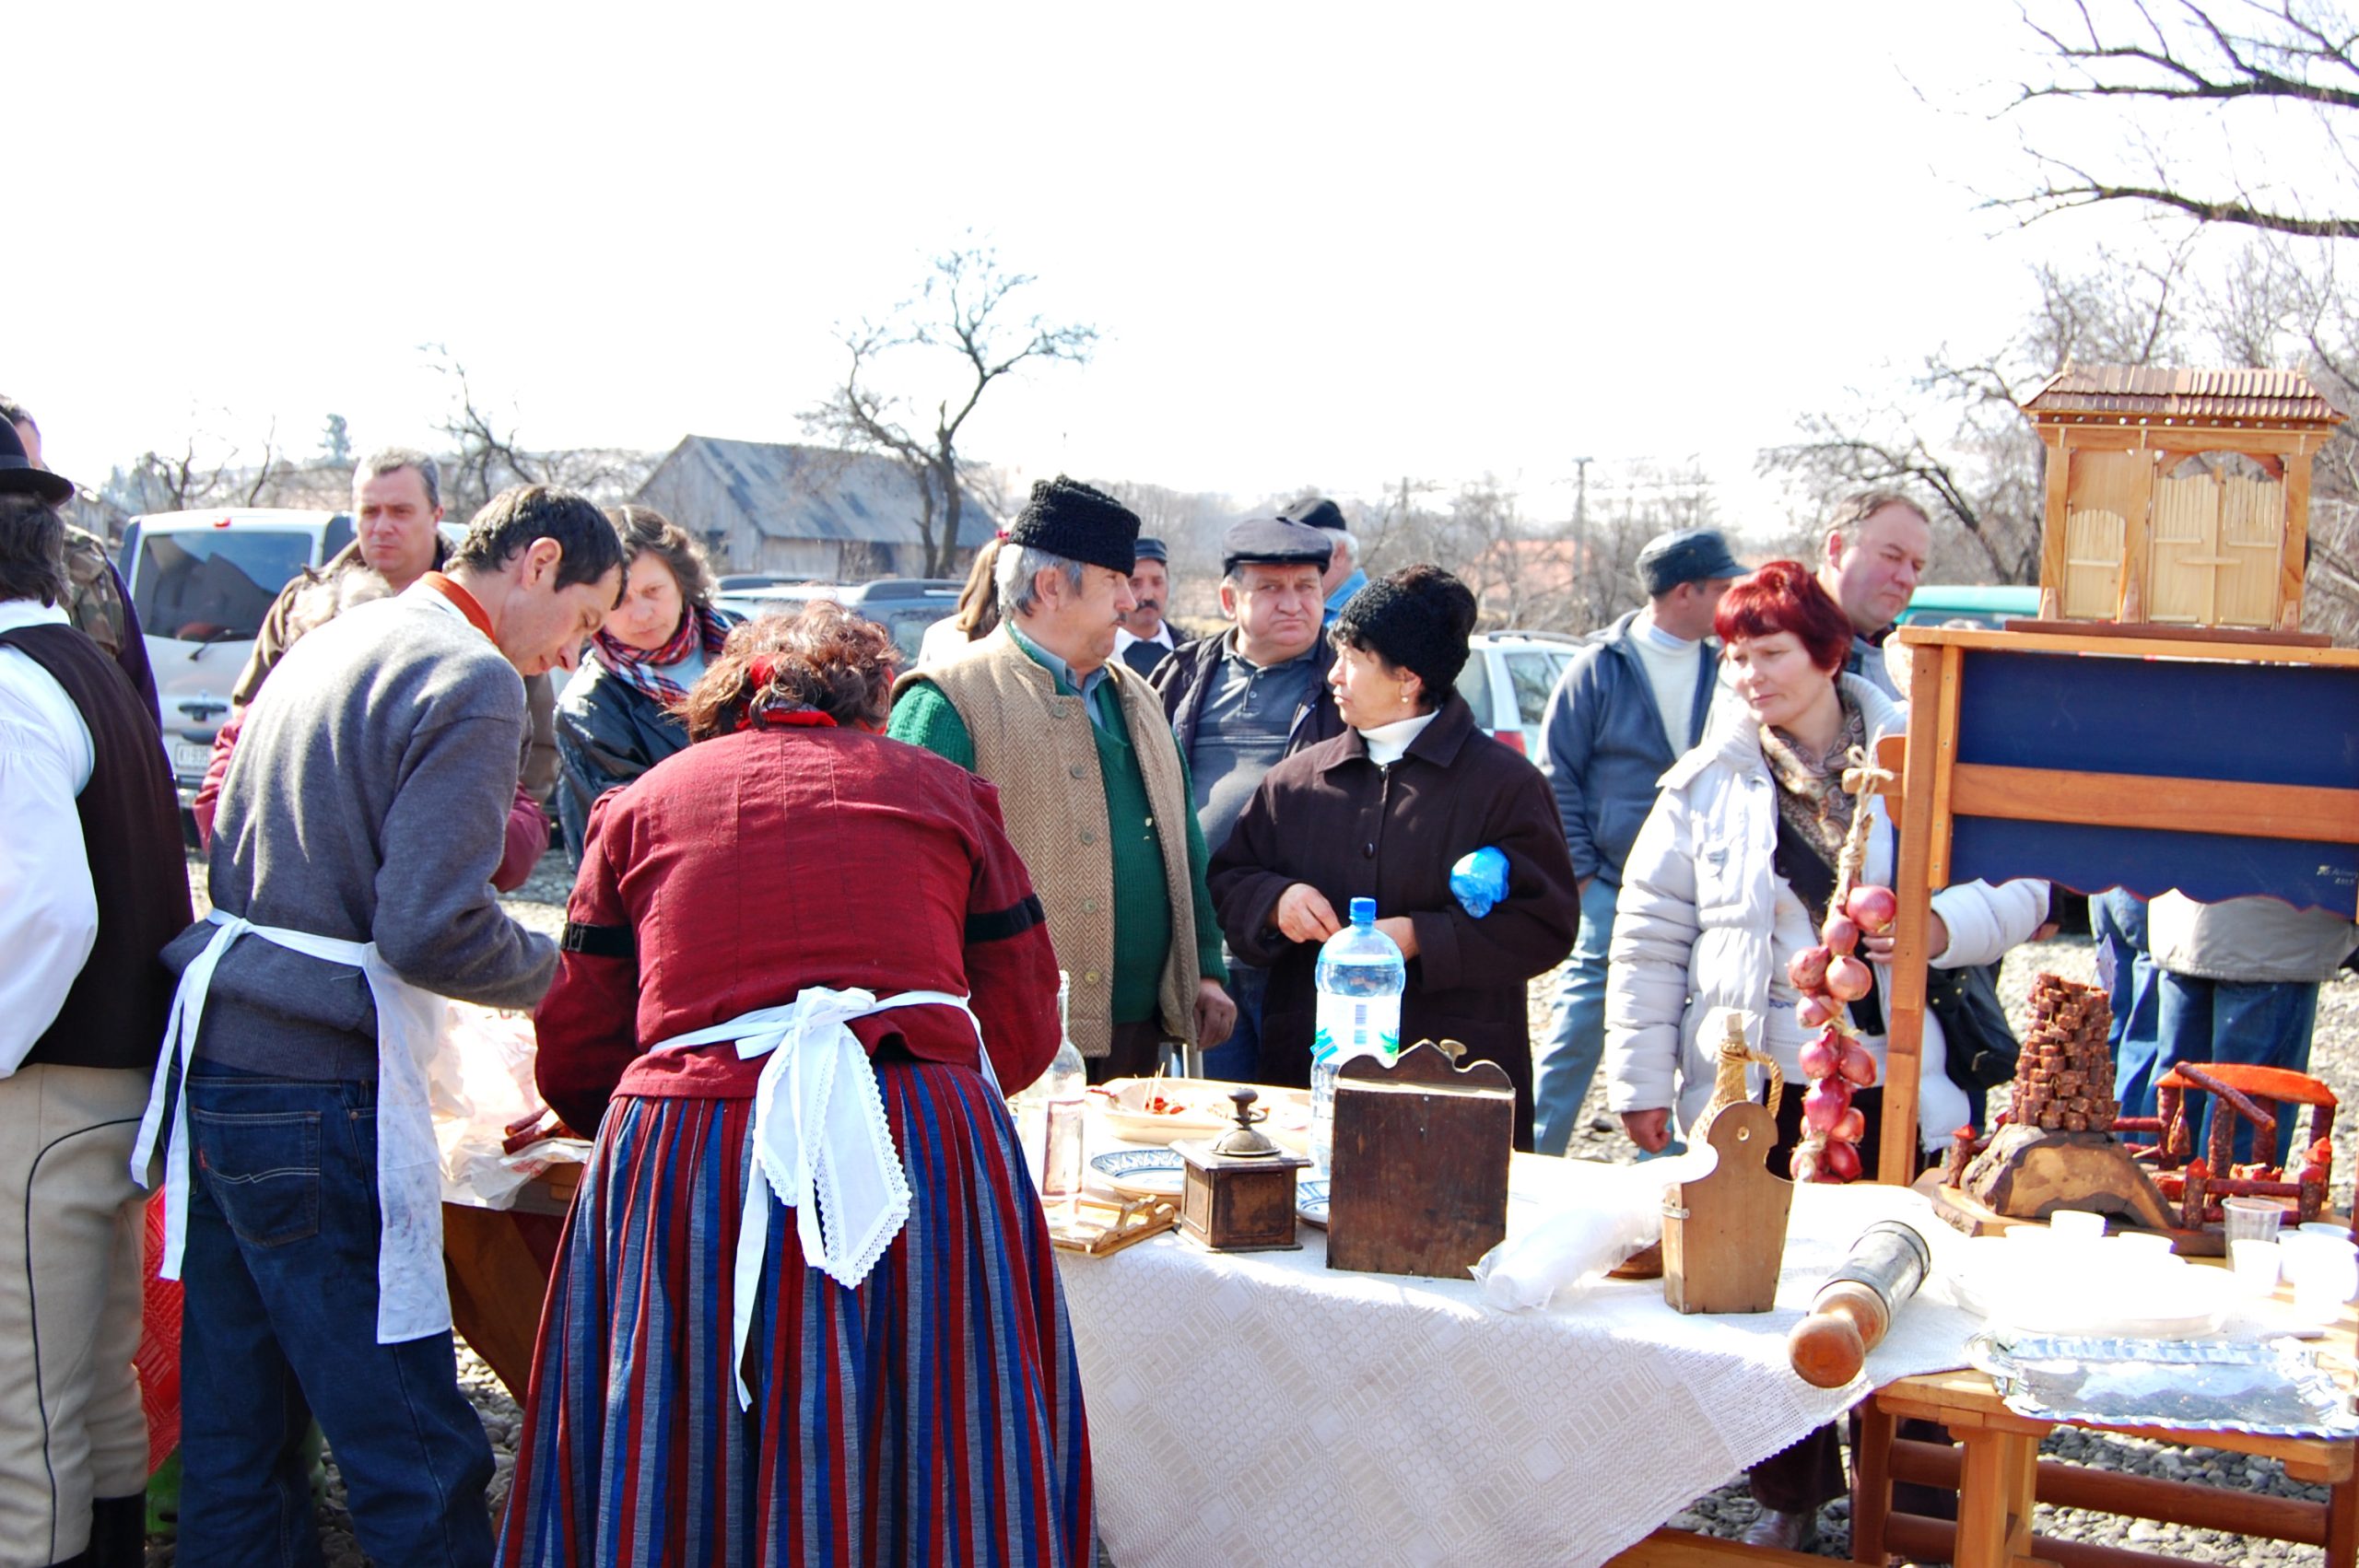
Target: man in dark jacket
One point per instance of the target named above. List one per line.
(1629, 704)
(1144, 638)
(91, 886)
(1242, 700)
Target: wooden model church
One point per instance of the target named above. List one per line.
(2175, 498)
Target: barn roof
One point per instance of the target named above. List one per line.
(791, 491)
(2157, 391)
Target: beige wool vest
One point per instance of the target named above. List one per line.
(1036, 745)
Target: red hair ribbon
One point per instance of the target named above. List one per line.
(759, 669)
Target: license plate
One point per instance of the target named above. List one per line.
(189, 758)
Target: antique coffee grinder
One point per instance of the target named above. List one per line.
(1240, 1195)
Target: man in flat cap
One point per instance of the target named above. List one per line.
(1094, 790)
(1343, 576)
(1242, 699)
(1145, 636)
(1629, 704)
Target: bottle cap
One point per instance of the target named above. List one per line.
(1363, 911)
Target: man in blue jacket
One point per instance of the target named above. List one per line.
(1630, 703)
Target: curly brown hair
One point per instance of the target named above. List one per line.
(822, 658)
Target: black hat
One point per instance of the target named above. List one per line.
(1067, 518)
(20, 477)
(1317, 512)
(1274, 542)
(1692, 554)
(1150, 550)
(1418, 619)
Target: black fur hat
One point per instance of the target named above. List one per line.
(1417, 619)
(1067, 518)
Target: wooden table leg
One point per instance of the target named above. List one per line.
(1994, 1501)
(2342, 1524)
(1871, 1482)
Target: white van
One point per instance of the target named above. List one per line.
(201, 582)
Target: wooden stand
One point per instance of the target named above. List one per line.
(1420, 1179)
(1724, 1235)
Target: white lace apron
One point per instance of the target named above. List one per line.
(821, 1143)
(412, 1301)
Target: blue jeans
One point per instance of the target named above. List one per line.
(2264, 1022)
(2118, 920)
(1238, 1059)
(280, 1325)
(1567, 1060)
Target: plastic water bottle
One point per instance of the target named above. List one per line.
(1047, 1111)
(1361, 976)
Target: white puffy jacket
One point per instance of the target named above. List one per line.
(1704, 922)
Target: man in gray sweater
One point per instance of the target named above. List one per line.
(1631, 704)
(359, 827)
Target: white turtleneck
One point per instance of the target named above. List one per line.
(1387, 742)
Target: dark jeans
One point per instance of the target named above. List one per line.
(281, 1325)
(1238, 1059)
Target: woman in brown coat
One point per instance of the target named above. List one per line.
(1383, 811)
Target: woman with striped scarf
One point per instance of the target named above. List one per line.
(617, 718)
(805, 1311)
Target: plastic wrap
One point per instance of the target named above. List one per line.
(1571, 1246)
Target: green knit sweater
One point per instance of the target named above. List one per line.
(924, 717)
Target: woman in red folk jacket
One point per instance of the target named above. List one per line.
(805, 1310)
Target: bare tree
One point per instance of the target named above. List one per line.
(1958, 437)
(962, 314)
(2272, 74)
(489, 455)
(2277, 82)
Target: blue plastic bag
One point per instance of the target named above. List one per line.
(1479, 881)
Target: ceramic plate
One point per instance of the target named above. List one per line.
(1141, 1173)
(1311, 1202)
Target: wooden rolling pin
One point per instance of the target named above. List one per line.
(1853, 1309)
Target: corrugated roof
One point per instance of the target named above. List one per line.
(2157, 391)
(790, 491)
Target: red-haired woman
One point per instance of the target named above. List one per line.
(806, 1309)
(1728, 881)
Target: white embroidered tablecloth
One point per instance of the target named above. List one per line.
(1259, 1408)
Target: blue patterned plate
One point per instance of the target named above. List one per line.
(1311, 1202)
(1141, 1173)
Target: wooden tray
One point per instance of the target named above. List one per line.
(1098, 1226)
(1964, 1213)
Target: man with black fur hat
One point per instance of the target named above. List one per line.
(92, 885)
(1095, 791)
(1244, 700)
(1144, 638)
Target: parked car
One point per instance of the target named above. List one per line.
(201, 582)
(904, 606)
(1991, 606)
(1507, 678)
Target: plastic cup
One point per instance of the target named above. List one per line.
(2323, 1228)
(2076, 1225)
(2324, 1269)
(2142, 1246)
(2251, 1219)
(2256, 1264)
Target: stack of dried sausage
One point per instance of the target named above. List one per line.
(2064, 1078)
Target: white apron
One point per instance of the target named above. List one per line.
(818, 1133)
(412, 1301)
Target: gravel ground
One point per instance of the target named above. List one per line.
(2334, 1057)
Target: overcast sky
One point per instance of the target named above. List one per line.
(1326, 245)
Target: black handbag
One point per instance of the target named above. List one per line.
(1981, 1046)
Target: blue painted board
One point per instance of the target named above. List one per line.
(2159, 718)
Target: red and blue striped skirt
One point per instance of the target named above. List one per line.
(933, 1416)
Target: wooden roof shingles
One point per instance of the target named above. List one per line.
(2180, 394)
